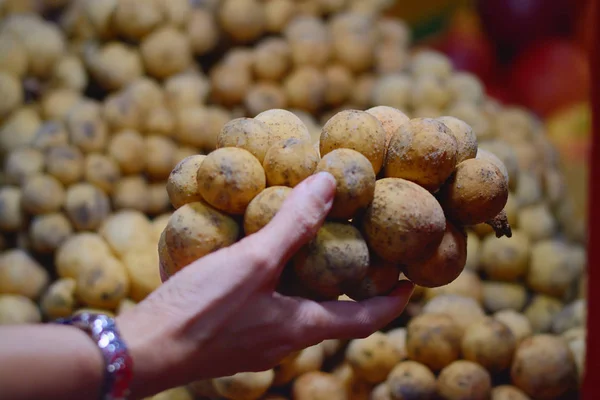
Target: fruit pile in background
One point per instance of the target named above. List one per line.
(533, 53)
(103, 99)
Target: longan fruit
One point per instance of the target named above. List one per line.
(505, 259)
(159, 121)
(446, 263)
(134, 19)
(361, 95)
(476, 192)
(309, 41)
(393, 31)
(541, 310)
(42, 194)
(229, 178)
(392, 90)
(141, 265)
(463, 310)
(353, 39)
(431, 63)
(271, 58)
(16, 309)
(128, 149)
(516, 322)
(543, 367)
(422, 150)
(182, 184)
(337, 256)
(203, 387)
(372, 358)
(22, 163)
(316, 385)
(212, 230)
(278, 13)
(191, 124)
(283, 124)
(47, 232)
(499, 296)
(381, 278)
(202, 31)
(244, 385)
(505, 153)
(491, 157)
(56, 103)
(289, 162)
(473, 251)
(103, 285)
(86, 206)
(263, 207)
(508, 392)
(165, 52)
(158, 199)
(120, 111)
(50, 133)
(102, 171)
(126, 230)
(390, 59)
(410, 380)
(572, 316)
(464, 380)
(298, 363)
(13, 56)
(465, 87)
(355, 181)
(12, 94)
(550, 269)
(79, 252)
(356, 130)
(11, 212)
(131, 192)
(537, 222)
(490, 343)
(69, 73)
(59, 299)
(433, 340)
(391, 119)
(429, 91)
(465, 138)
(86, 128)
(65, 163)
(159, 156)
(186, 89)
(229, 83)
(467, 284)
(19, 129)
(242, 20)
(264, 96)
(247, 133)
(21, 274)
(305, 88)
(404, 223)
(114, 65)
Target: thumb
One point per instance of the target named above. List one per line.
(298, 220)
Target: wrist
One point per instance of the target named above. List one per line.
(153, 349)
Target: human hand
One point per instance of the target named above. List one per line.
(221, 314)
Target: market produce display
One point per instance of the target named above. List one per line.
(138, 132)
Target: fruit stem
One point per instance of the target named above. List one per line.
(500, 225)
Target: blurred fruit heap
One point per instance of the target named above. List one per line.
(102, 99)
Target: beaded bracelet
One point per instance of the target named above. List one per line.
(119, 365)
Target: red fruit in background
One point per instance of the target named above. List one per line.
(467, 46)
(470, 52)
(513, 24)
(551, 75)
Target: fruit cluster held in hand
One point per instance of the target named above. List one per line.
(406, 189)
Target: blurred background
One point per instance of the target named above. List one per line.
(528, 52)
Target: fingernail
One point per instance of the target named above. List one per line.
(404, 286)
(322, 184)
